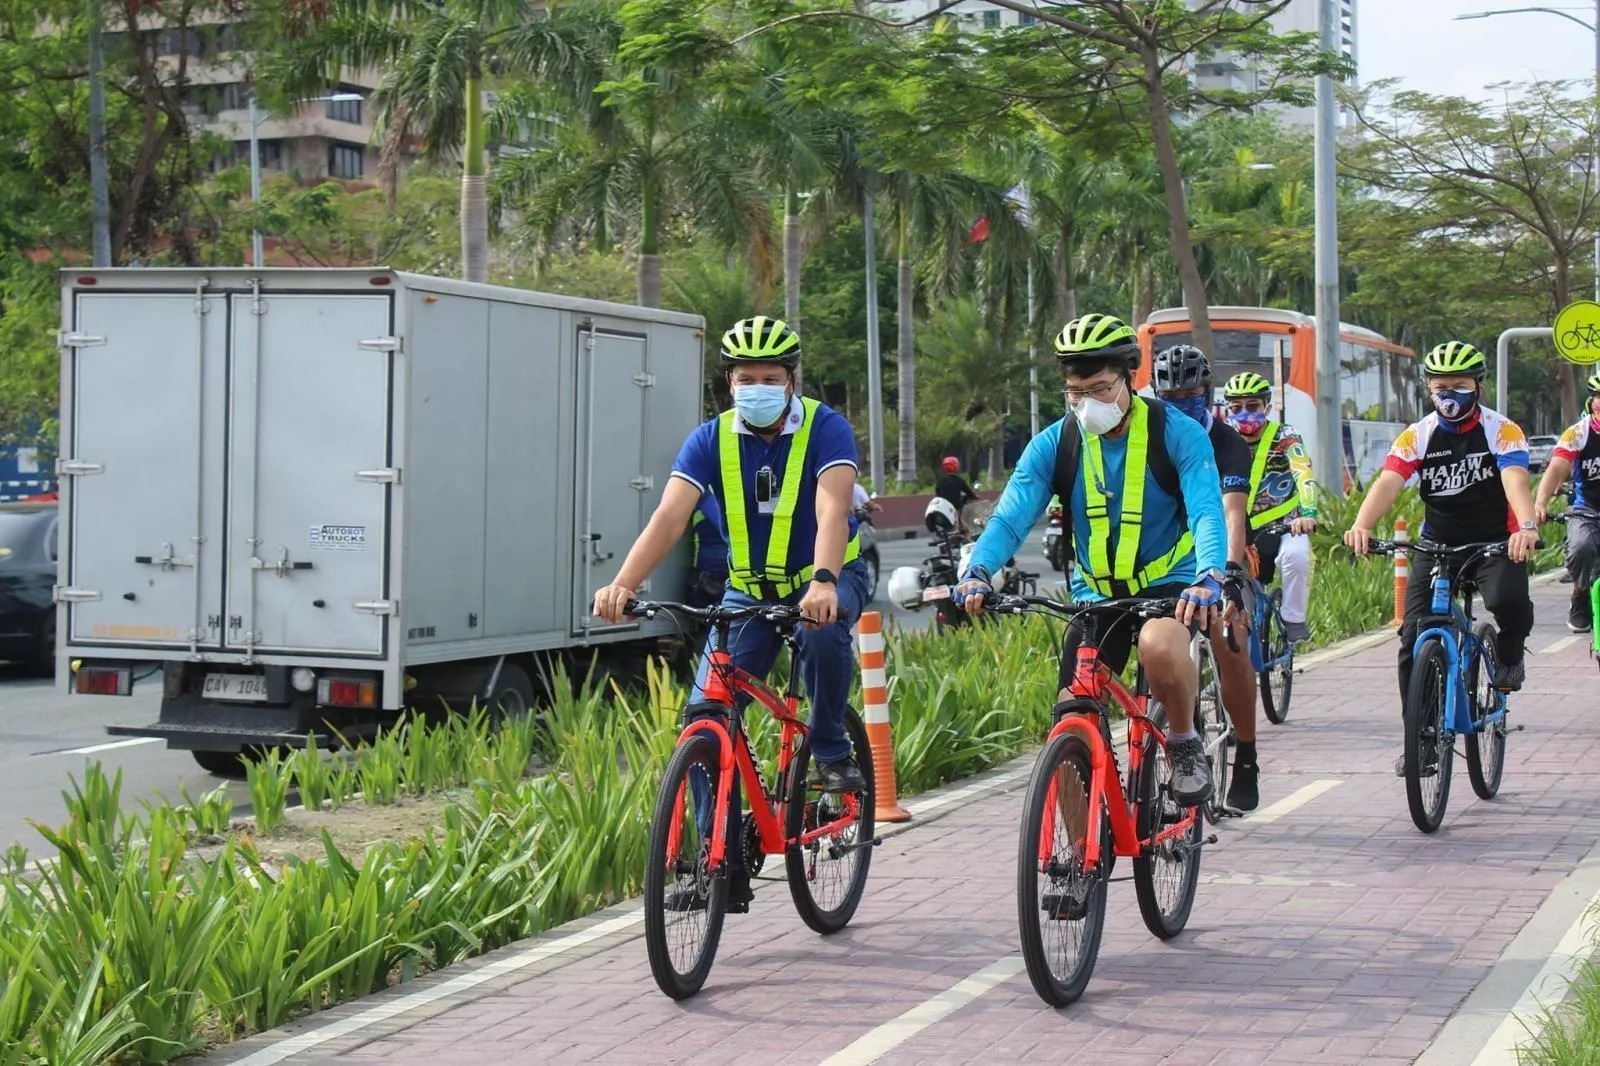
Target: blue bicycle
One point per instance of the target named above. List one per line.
(1453, 688)
(1271, 651)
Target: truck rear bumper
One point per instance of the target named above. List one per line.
(191, 724)
(198, 736)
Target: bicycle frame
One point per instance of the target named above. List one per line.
(1460, 646)
(724, 682)
(1093, 682)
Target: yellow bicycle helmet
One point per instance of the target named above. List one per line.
(1098, 337)
(760, 340)
(1246, 384)
(1455, 359)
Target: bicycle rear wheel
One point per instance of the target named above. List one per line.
(1211, 719)
(1061, 905)
(827, 876)
(1277, 680)
(1486, 746)
(1429, 749)
(1164, 875)
(684, 901)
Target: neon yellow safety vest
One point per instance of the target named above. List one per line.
(770, 578)
(1124, 577)
(1258, 470)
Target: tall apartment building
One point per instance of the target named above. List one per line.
(323, 139)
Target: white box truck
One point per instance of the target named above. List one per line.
(302, 500)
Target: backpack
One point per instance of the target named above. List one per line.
(1158, 462)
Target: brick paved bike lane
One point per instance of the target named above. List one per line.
(1327, 929)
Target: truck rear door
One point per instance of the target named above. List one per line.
(142, 561)
(309, 473)
(613, 374)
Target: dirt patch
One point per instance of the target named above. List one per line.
(353, 827)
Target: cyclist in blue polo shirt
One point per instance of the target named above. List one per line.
(781, 466)
(709, 549)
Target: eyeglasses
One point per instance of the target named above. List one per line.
(1240, 406)
(1103, 391)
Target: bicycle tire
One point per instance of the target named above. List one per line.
(828, 919)
(1084, 900)
(1277, 681)
(1486, 748)
(698, 751)
(1427, 797)
(1154, 810)
(1211, 719)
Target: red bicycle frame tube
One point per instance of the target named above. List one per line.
(723, 680)
(1094, 682)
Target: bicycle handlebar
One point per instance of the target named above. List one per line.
(1130, 605)
(1488, 548)
(1274, 528)
(775, 613)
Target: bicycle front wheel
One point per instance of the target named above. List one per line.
(1165, 875)
(1429, 748)
(684, 900)
(1486, 746)
(1211, 719)
(1061, 903)
(828, 875)
(1277, 680)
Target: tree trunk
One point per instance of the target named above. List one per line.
(389, 157)
(997, 457)
(1066, 278)
(649, 289)
(904, 310)
(474, 201)
(792, 258)
(1194, 288)
(1145, 301)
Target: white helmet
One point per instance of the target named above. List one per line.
(905, 587)
(940, 515)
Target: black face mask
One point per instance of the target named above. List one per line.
(1456, 405)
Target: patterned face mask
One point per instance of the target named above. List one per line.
(1455, 405)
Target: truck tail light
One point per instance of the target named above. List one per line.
(102, 681)
(347, 692)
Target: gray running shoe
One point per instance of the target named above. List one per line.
(1297, 632)
(1191, 776)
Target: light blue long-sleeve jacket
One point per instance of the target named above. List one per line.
(1028, 493)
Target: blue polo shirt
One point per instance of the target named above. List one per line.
(710, 539)
(832, 444)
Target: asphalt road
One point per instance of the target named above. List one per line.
(46, 738)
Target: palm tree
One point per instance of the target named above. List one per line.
(438, 58)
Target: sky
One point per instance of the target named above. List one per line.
(1420, 42)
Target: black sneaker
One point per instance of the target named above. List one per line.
(1511, 677)
(1244, 792)
(1579, 618)
(739, 892)
(841, 776)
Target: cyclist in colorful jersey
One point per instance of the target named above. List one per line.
(1181, 375)
(1280, 487)
(781, 466)
(1145, 510)
(1577, 455)
(1472, 464)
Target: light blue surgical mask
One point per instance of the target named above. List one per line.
(760, 405)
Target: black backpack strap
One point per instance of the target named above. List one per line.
(1068, 452)
(1159, 459)
(1159, 462)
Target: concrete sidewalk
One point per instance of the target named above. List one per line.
(1326, 930)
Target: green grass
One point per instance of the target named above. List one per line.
(1568, 1035)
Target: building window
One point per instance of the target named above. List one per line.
(345, 161)
(1026, 19)
(271, 153)
(344, 110)
(991, 20)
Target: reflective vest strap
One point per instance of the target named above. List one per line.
(1104, 576)
(1258, 466)
(1131, 520)
(733, 494)
(776, 564)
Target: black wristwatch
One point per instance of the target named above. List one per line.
(827, 577)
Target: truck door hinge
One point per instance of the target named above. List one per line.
(380, 344)
(76, 339)
(389, 475)
(78, 468)
(644, 381)
(643, 484)
(377, 606)
(68, 594)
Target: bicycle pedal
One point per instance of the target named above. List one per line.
(1212, 839)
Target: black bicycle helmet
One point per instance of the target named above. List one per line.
(1182, 366)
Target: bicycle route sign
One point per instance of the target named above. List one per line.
(1577, 332)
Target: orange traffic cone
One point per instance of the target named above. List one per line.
(875, 710)
(1402, 570)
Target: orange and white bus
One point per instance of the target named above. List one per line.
(1380, 382)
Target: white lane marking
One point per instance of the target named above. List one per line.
(891, 1034)
(1564, 642)
(283, 1049)
(132, 742)
(1292, 802)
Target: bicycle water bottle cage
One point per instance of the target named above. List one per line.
(1441, 596)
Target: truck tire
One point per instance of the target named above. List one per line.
(229, 764)
(512, 696)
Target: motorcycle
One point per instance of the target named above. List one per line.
(866, 531)
(913, 588)
(1055, 551)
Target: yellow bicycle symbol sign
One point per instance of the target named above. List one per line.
(1577, 332)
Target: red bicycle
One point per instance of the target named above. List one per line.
(1062, 864)
(826, 838)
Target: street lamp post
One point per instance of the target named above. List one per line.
(1594, 158)
(1328, 453)
(257, 117)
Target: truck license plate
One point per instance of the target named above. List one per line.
(235, 687)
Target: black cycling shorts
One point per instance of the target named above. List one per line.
(1116, 639)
